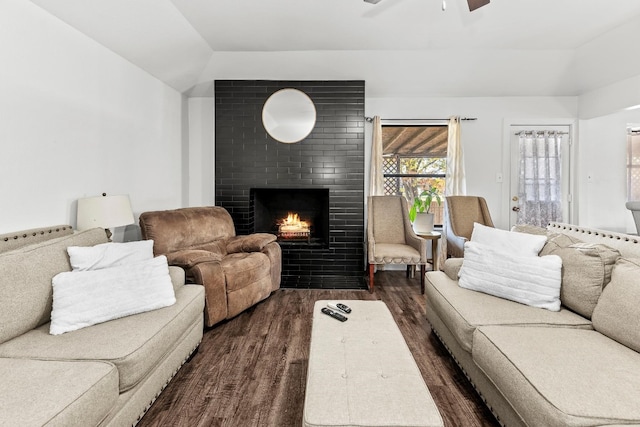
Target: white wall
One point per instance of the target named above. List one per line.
(201, 152)
(482, 139)
(602, 158)
(603, 142)
(77, 120)
(610, 99)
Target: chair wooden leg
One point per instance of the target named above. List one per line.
(423, 270)
(371, 269)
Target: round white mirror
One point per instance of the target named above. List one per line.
(289, 115)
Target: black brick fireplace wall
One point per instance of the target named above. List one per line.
(331, 157)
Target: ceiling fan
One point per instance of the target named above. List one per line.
(473, 4)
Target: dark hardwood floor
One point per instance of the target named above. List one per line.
(251, 370)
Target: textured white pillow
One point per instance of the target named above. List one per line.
(515, 243)
(105, 255)
(85, 298)
(533, 281)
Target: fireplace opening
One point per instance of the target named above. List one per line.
(299, 217)
(294, 228)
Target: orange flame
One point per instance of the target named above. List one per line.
(293, 223)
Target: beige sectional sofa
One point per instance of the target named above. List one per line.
(579, 366)
(107, 374)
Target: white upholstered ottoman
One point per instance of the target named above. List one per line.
(361, 372)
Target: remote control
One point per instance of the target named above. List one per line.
(340, 307)
(334, 314)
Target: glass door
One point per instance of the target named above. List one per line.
(539, 176)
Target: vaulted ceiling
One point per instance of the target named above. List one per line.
(399, 47)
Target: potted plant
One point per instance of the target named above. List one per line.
(419, 214)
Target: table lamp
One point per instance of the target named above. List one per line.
(104, 211)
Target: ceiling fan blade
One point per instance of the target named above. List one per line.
(474, 4)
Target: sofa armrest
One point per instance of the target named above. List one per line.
(177, 277)
(249, 243)
(452, 267)
(212, 277)
(419, 244)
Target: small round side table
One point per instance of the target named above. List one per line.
(434, 236)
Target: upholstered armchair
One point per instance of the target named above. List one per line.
(461, 213)
(390, 238)
(236, 271)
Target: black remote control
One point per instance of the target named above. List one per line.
(344, 308)
(334, 314)
(339, 307)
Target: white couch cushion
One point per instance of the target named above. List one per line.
(85, 298)
(520, 244)
(110, 254)
(529, 280)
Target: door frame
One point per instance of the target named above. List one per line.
(506, 162)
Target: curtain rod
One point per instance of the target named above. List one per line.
(540, 132)
(370, 119)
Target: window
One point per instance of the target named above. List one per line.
(415, 159)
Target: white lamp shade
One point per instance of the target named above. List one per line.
(104, 211)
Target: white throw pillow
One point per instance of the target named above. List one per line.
(85, 298)
(515, 243)
(533, 281)
(105, 255)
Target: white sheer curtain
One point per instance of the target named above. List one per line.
(456, 183)
(455, 180)
(376, 185)
(540, 178)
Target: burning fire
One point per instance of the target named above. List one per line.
(292, 227)
(292, 223)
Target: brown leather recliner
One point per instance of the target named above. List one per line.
(236, 271)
